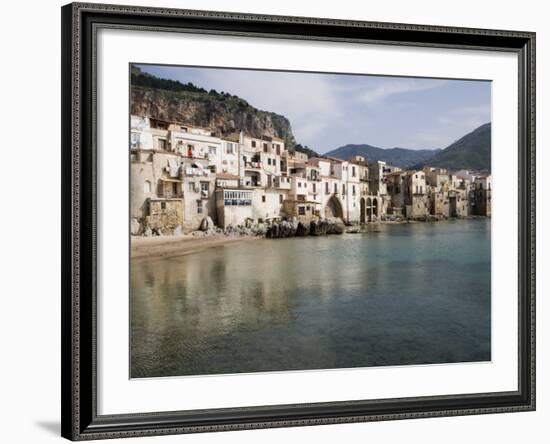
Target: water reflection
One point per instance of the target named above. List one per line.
(417, 293)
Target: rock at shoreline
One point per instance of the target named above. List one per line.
(135, 226)
(294, 227)
(207, 224)
(336, 226)
(302, 229)
(354, 229)
(280, 229)
(318, 227)
(259, 229)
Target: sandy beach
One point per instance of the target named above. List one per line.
(172, 246)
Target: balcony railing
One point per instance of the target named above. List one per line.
(190, 171)
(254, 165)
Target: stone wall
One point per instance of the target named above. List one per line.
(164, 214)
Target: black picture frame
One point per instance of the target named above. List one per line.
(80, 22)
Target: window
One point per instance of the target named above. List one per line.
(265, 147)
(335, 187)
(161, 144)
(229, 147)
(253, 143)
(263, 198)
(135, 140)
(353, 171)
(344, 189)
(199, 206)
(327, 188)
(301, 210)
(280, 198)
(174, 189)
(204, 189)
(299, 184)
(212, 150)
(314, 188)
(163, 205)
(157, 124)
(147, 186)
(353, 190)
(278, 149)
(192, 187)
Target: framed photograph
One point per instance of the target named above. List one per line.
(278, 221)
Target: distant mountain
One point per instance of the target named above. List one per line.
(471, 152)
(400, 157)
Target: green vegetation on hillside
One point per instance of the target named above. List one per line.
(471, 152)
(140, 78)
(305, 149)
(187, 103)
(400, 157)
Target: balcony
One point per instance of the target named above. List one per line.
(196, 171)
(253, 165)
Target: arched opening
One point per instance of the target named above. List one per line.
(333, 208)
(375, 208)
(369, 209)
(362, 211)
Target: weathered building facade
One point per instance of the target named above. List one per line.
(181, 175)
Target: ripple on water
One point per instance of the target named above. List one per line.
(408, 294)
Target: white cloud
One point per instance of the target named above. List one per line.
(327, 111)
(463, 120)
(444, 120)
(433, 139)
(310, 102)
(388, 87)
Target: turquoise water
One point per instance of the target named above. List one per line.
(408, 294)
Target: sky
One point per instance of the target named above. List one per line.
(327, 111)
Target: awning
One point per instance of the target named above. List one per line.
(167, 179)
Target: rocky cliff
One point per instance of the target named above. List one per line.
(191, 105)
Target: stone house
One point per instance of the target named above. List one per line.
(182, 174)
(482, 189)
